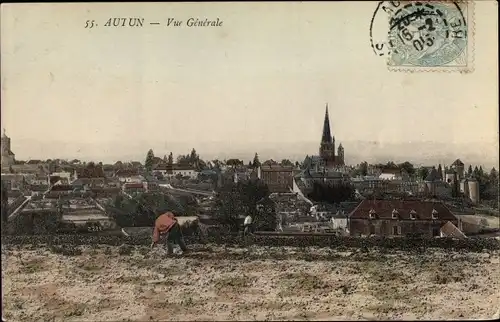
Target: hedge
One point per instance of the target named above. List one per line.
(410, 244)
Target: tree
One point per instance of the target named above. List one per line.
(390, 166)
(270, 162)
(183, 159)
(170, 160)
(286, 162)
(149, 160)
(201, 165)
(91, 170)
(242, 198)
(143, 209)
(332, 194)
(363, 167)
(469, 171)
(476, 172)
(490, 191)
(480, 171)
(407, 167)
(234, 162)
(193, 157)
(118, 165)
(423, 172)
(256, 162)
(493, 175)
(216, 163)
(440, 172)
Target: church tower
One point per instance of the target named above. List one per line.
(327, 146)
(8, 157)
(340, 155)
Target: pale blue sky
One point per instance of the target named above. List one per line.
(261, 79)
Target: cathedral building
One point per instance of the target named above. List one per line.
(327, 163)
(327, 146)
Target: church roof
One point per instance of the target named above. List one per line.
(458, 162)
(327, 135)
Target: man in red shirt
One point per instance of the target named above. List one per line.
(167, 227)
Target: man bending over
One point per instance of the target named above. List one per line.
(167, 228)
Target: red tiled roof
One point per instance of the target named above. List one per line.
(384, 209)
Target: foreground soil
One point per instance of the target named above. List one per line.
(214, 283)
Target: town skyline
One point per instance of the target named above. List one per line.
(263, 84)
(372, 152)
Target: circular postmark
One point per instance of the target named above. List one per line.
(422, 33)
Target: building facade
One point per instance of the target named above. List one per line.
(173, 170)
(399, 218)
(277, 177)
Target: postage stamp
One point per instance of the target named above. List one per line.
(424, 35)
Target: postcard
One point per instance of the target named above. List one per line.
(250, 160)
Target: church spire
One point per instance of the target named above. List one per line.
(327, 135)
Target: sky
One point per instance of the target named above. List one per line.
(258, 83)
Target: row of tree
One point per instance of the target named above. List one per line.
(405, 167)
(193, 159)
(190, 159)
(332, 193)
(488, 183)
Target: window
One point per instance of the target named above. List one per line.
(395, 214)
(436, 231)
(372, 214)
(396, 230)
(372, 229)
(413, 215)
(434, 214)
